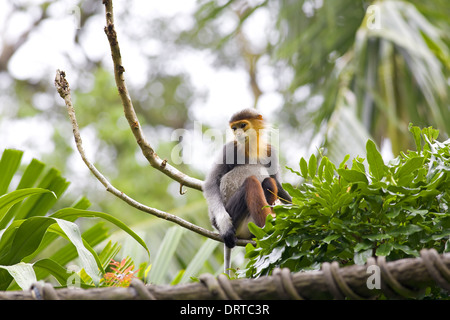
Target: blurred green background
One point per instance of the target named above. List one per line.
(328, 74)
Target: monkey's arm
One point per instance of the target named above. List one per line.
(274, 165)
(218, 215)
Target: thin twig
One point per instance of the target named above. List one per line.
(62, 86)
(130, 114)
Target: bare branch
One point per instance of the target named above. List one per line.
(130, 113)
(62, 86)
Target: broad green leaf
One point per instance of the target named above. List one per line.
(406, 249)
(9, 163)
(52, 267)
(376, 164)
(28, 235)
(23, 274)
(10, 199)
(255, 230)
(28, 179)
(362, 256)
(409, 166)
(377, 237)
(73, 212)
(352, 175)
(94, 235)
(329, 171)
(344, 162)
(416, 135)
(303, 168)
(384, 249)
(31, 174)
(177, 278)
(312, 166)
(165, 254)
(109, 252)
(331, 238)
(88, 258)
(40, 205)
(199, 259)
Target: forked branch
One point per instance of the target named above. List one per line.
(63, 89)
(155, 161)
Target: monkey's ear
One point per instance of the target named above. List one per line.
(260, 117)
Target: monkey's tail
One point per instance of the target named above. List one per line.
(226, 260)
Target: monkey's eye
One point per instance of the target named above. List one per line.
(243, 125)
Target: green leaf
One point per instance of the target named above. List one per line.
(28, 235)
(331, 238)
(177, 278)
(344, 162)
(416, 135)
(410, 166)
(376, 164)
(28, 179)
(303, 168)
(256, 231)
(23, 274)
(52, 267)
(40, 205)
(361, 257)
(384, 249)
(88, 259)
(377, 237)
(329, 171)
(406, 249)
(109, 252)
(10, 199)
(9, 163)
(353, 176)
(165, 254)
(199, 259)
(312, 166)
(79, 213)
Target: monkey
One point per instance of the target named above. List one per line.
(244, 183)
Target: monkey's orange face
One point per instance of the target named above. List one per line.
(241, 130)
(248, 132)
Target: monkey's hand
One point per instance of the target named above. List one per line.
(230, 238)
(225, 226)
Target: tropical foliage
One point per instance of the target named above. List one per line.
(29, 227)
(370, 209)
(345, 72)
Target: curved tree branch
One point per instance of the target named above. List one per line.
(130, 113)
(62, 86)
(63, 89)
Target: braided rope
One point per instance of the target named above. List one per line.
(436, 268)
(141, 290)
(213, 286)
(284, 284)
(338, 282)
(43, 291)
(397, 287)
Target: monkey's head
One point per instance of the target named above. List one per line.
(247, 124)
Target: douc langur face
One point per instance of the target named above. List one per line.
(240, 130)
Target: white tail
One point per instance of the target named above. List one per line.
(226, 260)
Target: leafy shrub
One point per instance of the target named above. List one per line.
(30, 223)
(349, 214)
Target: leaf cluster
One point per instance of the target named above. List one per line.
(30, 223)
(349, 214)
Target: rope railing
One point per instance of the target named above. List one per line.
(404, 278)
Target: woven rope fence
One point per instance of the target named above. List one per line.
(405, 278)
